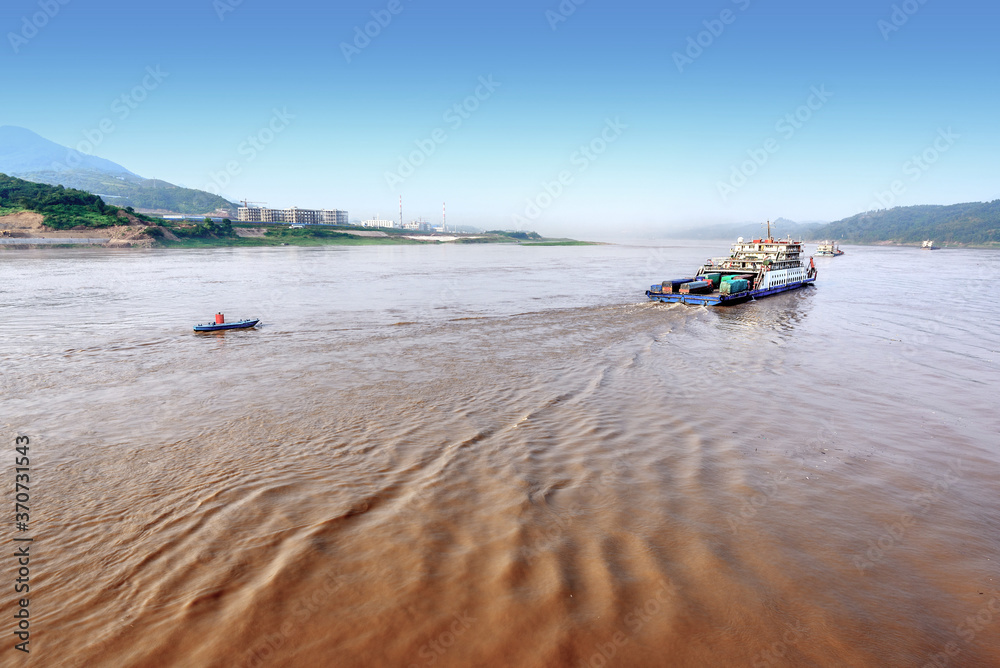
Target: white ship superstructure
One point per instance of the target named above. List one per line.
(756, 268)
(774, 262)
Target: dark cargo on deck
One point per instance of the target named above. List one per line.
(696, 287)
(674, 284)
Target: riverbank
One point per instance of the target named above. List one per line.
(311, 236)
(937, 245)
(254, 242)
(23, 229)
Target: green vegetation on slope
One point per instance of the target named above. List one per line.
(7, 210)
(974, 223)
(340, 240)
(520, 236)
(208, 234)
(127, 190)
(67, 208)
(562, 242)
(63, 208)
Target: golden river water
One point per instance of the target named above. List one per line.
(501, 456)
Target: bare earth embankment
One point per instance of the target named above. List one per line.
(29, 225)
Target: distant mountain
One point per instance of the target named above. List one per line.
(31, 157)
(974, 223)
(135, 191)
(780, 227)
(22, 152)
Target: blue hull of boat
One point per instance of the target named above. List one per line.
(242, 324)
(717, 299)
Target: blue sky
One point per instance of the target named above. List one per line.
(675, 140)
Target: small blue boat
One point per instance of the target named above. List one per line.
(220, 325)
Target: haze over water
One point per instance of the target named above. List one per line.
(504, 456)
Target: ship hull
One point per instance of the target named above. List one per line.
(221, 327)
(717, 299)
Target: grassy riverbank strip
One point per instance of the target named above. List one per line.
(324, 238)
(236, 235)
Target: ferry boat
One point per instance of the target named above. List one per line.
(757, 268)
(928, 245)
(828, 249)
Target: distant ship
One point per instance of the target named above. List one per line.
(828, 249)
(757, 268)
(928, 245)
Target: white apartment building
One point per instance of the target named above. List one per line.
(292, 216)
(377, 222)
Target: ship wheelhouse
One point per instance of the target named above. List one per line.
(756, 268)
(771, 261)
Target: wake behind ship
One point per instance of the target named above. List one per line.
(754, 269)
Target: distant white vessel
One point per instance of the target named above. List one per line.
(928, 245)
(829, 249)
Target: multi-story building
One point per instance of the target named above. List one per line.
(418, 225)
(292, 216)
(377, 222)
(334, 217)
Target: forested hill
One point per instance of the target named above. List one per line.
(62, 208)
(136, 192)
(31, 157)
(974, 223)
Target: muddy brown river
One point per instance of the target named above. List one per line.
(500, 456)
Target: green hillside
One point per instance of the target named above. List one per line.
(127, 190)
(29, 156)
(63, 208)
(973, 224)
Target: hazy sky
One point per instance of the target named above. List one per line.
(690, 113)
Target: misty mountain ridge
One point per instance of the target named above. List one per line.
(970, 223)
(780, 228)
(23, 152)
(976, 223)
(29, 156)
